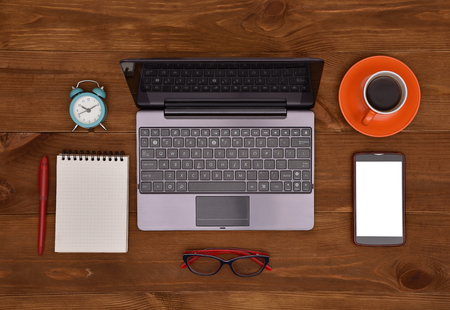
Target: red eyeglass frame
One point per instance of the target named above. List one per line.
(215, 252)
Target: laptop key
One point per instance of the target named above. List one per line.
(298, 164)
(146, 187)
(152, 175)
(216, 186)
(158, 186)
(276, 186)
(170, 187)
(181, 186)
(252, 186)
(306, 186)
(300, 142)
(148, 164)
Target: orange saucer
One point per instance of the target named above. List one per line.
(353, 107)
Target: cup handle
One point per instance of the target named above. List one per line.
(368, 117)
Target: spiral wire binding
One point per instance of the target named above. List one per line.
(69, 155)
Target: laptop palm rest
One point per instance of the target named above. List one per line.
(222, 210)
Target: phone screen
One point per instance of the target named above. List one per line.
(379, 199)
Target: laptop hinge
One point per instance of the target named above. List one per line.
(225, 109)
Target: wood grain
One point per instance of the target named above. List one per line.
(324, 259)
(427, 176)
(42, 87)
(237, 300)
(216, 27)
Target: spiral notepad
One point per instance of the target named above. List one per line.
(92, 202)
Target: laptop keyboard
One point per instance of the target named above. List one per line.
(225, 76)
(215, 160)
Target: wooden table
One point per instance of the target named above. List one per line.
(48, 46)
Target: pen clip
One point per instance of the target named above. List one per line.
(39, 177)
(43, 177)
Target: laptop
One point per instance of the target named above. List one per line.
(224, 143)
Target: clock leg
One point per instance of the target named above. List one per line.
(74, 128)
(102, 126)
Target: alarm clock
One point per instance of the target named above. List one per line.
(87, 109)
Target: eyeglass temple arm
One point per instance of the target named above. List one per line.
(193, 259)
(217, 252)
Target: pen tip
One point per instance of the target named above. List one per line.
(41, 250)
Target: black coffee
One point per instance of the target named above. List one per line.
(383, 93)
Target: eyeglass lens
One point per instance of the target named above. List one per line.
(244, 266)
(204, 265)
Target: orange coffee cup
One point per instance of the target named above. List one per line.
(385, 92)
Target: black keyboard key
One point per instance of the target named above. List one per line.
(288, 72)
(151, 72)
(301, 72)
(249, 81)
(153, 65)
(243, 73)
(254, 73)
(186, 73)
(298, 81)
(265, 73)
(231, 73)
(197, 73)
(209, 73)
(276, 72)
(220, 73)
(167, 81)
(294, 65)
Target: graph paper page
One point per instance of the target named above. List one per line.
(91, 205)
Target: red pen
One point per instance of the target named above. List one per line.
(43, 191)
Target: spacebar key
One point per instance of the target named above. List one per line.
(216, 186)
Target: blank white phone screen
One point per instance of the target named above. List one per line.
(379, 199)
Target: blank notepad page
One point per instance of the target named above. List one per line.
(91, 204)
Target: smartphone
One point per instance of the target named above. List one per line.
(379, 199)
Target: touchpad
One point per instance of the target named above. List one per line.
(222, 210)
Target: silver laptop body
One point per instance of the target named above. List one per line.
(205, 208)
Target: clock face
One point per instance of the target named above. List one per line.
(87, 110)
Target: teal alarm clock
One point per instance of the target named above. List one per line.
(88, 109)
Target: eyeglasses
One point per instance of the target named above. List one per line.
(206, 262)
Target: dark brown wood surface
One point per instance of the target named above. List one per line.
(48, 46)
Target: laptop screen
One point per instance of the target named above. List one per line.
(287, 82)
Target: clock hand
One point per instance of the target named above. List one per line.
(87, 109)
(93, 107)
